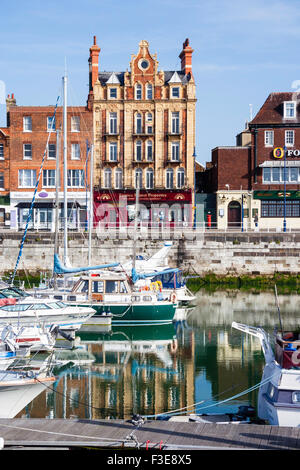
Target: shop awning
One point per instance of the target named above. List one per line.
(47, 205)
(279, 163)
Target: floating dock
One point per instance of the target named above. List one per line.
(70, 434)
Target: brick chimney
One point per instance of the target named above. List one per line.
(93, 64)
(186, 57)
(10, 101)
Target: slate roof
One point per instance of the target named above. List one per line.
(271, 111)
(105, 76)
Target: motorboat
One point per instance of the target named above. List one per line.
(18, 307)
(279, 392)
(21, 383)
(111, 295)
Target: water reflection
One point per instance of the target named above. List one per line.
(152, 370)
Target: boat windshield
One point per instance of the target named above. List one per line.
(57, 304)
(15, 307)
(13, 292)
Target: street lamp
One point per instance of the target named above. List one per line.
(194, 155)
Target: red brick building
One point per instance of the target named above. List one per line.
(258, 183)
(31, 140)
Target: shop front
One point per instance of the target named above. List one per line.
(278, 209)
(43, 213)
(155, 209)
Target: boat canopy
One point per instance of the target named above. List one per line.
(59, 268)
(137, 276)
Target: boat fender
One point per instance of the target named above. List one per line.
(174, 346)
(173, 297)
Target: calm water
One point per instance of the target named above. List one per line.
(120, 370)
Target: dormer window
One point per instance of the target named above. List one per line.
(113, 93)
(289, 109)
(175, 92)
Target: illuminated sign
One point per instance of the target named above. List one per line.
(278, 152)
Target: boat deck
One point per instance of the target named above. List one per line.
(154, 435)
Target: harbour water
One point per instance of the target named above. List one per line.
(197, 364)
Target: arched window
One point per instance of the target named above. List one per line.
(149, 150)
(138, 91)
(149, 179)
(149, 91)
(138, 150)
(180, 178)
(107, 178)
(138, 178)
(118, 178)
(138, 123)
(169, 178)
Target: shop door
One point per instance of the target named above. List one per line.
(234, 214)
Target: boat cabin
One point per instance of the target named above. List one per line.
(95, 286)
(287, 349)
(173, 280)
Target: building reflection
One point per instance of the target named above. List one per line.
(152, 370)
(145, 370)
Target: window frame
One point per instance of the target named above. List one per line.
(285, 107)
(169, 178)
(269, 141)
(47, 178)
(25, 129)
(138, 92)
(75, 123)
(292, 133)
(118, 178)
(180, 178)
(51, 151)
(173, 88)
(27, 156)
(107, 178)
(32, 174)
(71, 177)
(1, 151)
(49, 120)
(113, 151)
(75, 148)
(149, 178)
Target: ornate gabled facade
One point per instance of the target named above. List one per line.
(144, 133)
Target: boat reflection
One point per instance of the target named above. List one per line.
(22, 381)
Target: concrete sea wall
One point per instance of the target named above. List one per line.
(220, 253)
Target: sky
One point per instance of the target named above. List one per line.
(243, 51)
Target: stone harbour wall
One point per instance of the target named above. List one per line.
(201, 253)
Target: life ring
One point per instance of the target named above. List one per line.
(173, 298)
(174, 346)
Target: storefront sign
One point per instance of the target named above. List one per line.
(145, 196)
(278, 152)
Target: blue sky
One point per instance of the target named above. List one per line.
(242, 52)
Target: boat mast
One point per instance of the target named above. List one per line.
(65, 172)
(137, 197)
(91, 214)
(57, 199)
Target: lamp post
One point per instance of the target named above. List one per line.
(194, 214)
